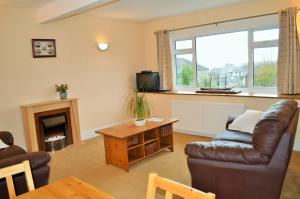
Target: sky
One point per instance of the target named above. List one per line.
(218, 50)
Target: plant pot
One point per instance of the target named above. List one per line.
(139, 122)
(63, 95)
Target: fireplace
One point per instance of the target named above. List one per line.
(53, 129)
(51, 125)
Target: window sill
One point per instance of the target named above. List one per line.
(244, 94)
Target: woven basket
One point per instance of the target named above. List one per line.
(132, 140)
(150, 148)
(166, 130)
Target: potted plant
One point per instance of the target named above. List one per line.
(62, 90)
(138, 106)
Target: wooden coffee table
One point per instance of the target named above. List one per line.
(126, 144)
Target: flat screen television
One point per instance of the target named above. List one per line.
(147, 81)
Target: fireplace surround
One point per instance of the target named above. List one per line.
(51, 125)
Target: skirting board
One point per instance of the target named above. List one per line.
(193, 132)
(197, 133)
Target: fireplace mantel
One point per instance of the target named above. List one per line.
(28, 111)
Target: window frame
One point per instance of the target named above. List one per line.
(251, 46)
(191, 51)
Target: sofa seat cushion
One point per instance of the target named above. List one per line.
(226, 151)
(235, 136)
(10, 151)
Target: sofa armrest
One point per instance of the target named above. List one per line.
(230, 119)
(36, 159)
(226, 151)
(6, 137)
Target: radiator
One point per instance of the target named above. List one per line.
(203, 118)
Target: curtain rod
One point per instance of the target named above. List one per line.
(230, 20)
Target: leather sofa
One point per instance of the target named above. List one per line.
(239, 165)
(14, 155)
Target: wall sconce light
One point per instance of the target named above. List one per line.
(103, 46)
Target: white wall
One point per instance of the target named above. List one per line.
(99, 79)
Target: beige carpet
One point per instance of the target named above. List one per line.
(87, 162)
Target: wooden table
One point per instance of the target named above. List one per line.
(126, 144)
(67, 188)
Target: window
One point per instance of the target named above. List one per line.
(246, 60)
(184, 70)
(265, 67)
(220, 66)
(184, 64)
(186, 44)
(266, 35)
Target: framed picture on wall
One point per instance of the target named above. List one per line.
(43, 48)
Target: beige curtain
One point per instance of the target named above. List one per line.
(288, 72)
(164, 59)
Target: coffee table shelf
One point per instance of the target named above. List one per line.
(127, 144)
(165, 146)
(134, 146)
(150, 140)
(132, 161)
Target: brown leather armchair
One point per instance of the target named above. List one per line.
(14, 155)
(238, 165)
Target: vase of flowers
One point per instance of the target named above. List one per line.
(138, 106)
(62, 90)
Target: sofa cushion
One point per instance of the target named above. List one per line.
(235, 136)
(10, 151)
(272, 124)
(3, 145)
(246, 122)
(226, 151)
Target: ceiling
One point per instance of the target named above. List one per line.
(137, 10)
(24, 3)
(145, 10)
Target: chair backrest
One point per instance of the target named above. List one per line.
(172, 187)
(8, 172)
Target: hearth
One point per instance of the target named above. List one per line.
(53, 129)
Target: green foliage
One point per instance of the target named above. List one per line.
(61, 88)
(187, 75)
(138, 105)
(265, 75)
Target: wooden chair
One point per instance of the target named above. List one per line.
(172, 187)
(8, 172)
